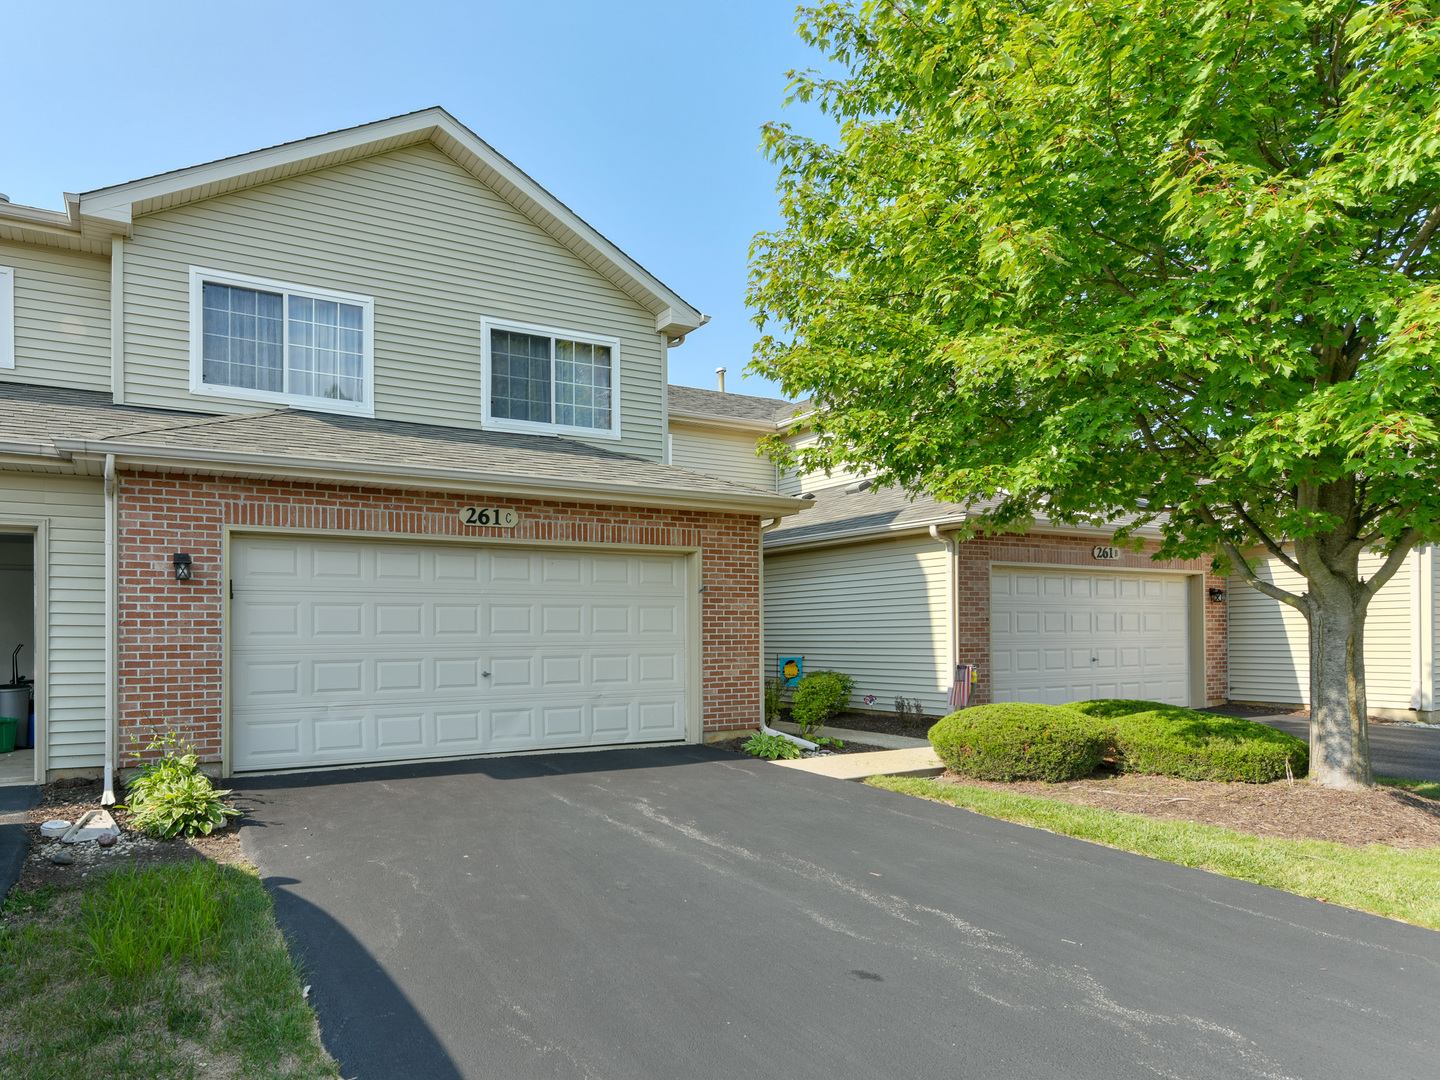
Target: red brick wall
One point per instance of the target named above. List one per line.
(976, 556)
(170, 631)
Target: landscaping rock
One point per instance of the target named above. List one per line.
(62, 858)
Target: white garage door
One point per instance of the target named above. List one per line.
(345, 652)
(1058, 636)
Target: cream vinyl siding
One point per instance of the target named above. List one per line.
(437, 251)
(878, 612)
(62, 317)
(75, 509)
(795, 483)
(1270, 649)
(720, 452)
(1433, 554)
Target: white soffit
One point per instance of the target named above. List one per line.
(112, 210)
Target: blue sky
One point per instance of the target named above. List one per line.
(643, 117)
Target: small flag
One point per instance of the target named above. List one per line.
(966, 676)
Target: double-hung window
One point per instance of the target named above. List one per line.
(551, 381)
(285, 344)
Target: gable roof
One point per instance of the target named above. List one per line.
(692, 403)
(55, 425)
(98, 215)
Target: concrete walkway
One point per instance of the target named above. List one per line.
(912, 761)
(865, 738)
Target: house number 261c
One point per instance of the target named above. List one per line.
(490, 515)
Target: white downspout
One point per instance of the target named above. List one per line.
(112, 612)
(952, 588)
(804, 744)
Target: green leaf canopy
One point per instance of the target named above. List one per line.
(1110, 257)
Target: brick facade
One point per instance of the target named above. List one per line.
(170, 631)
(973, 576)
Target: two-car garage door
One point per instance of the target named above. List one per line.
(1058, 636)
(344, 652)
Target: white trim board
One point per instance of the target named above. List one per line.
(111, 210)
(7, 318)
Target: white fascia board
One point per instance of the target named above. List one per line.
(14, 449)
(886, 532)
(868, 532)
(112, 207)
(362, 473)
(696, 419)
(34, 215)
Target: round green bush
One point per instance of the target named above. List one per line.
(1167, 740)
(1017, 741)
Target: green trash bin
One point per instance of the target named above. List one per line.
(8, 726)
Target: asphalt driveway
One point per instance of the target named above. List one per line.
(1411, 752)
(689, 913)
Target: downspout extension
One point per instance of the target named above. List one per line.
(804, 744)
(112, 607)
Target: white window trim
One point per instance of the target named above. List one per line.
(198, 278)
(531, 427)
(7, 318)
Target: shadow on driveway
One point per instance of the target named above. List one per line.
(502, 767)
(365, 1019)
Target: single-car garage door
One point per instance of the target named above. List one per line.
(345, 652)
(1059, 636)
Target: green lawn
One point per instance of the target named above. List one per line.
(173, 972)
(1426, 789)
(1383, 880)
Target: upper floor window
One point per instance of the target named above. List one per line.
(550, 381)
(286, 344)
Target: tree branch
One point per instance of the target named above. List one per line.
(1403, 546)
(1247, 572)
(1422, 239)
(1264, 537)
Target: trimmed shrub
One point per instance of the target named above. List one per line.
(1167, 740)
(819, 696)
(1018, 741)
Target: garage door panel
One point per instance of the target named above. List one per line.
(1112, 635)
(391, 667)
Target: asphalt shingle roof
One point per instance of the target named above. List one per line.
(38, 414)
(693, 400)
(836, 512)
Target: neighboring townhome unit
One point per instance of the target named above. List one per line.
(879, 585)
(873, 583)
(351, 450)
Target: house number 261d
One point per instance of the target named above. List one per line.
(490, 515)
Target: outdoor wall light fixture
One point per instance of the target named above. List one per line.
(182, 566)
(1217, 596)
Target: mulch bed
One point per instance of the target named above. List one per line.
(735, 747)
(69, 799)
(1299, 811)
(885, 723)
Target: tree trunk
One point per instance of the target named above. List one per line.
(1339, 722)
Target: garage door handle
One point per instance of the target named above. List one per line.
(486, 674)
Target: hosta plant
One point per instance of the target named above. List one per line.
(171, 796)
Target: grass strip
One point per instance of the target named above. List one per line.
(169, 973)
(1426, 789)
(1379, 879)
